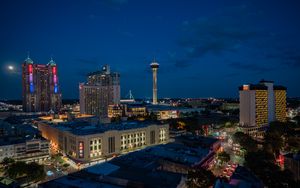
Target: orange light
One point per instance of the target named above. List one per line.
(245, 87)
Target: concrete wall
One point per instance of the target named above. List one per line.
(247, 107)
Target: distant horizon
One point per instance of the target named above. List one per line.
(288, 97)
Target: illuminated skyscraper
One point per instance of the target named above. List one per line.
(41, 92)
(101, 90)
(254, 105)
(262, 103)
(154, 66)
(280, 103)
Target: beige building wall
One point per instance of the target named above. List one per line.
(87, 148)
(29, 150)
(247, 107)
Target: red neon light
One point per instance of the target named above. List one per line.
(281, 160)
(54, 70)
(30, 68)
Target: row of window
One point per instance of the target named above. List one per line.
(134, 135)
(162, 135)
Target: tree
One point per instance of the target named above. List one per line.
(293, 144)
(245, 141)
(32, 171)
(223, 157)
(16, 169)
(297, 119)
(205, 112)
(274, 137)
(6, 161)
(200, 177)
(35, 172)
(262, 164)
(228, 124)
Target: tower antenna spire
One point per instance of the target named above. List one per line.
(130, 95)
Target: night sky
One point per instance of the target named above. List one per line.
(204, 48)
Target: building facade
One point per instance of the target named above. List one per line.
(41, 92)
(116, 111)
(101, 90)
(87, 143)
(280, 103)
(261, 104)
(135, 110)
(25, 150)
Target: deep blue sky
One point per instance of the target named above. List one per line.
(205, 48)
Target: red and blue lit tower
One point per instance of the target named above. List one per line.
(40, 87)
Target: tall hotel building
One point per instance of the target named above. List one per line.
(41, 92)
(261, 104)
(101, 90)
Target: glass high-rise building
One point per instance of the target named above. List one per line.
(101, 90)
(41, 92)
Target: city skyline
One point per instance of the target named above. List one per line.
(214, 47)
(149, 93)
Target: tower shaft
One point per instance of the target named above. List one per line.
(154, 70)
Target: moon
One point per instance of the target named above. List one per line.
(10, 67)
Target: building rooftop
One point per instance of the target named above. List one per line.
(168, 107)
(11, 140)
(266, 81)
(196, 141)
(102, 169)
(253, 87)
(86, 128)
(180, 152)
(78, 182)
(135, 105)
(149, 167)
(278, 87)
(7, 182)
(242, 174)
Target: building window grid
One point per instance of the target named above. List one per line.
(133, 140)
(95, 147)
(162, 135)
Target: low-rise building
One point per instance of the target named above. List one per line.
(242, 177)
(164, 165)
(230, 106)
(134, 109)
(85, 142)
(164, 112)
(115, 111)
(292, 163)
(20, 149)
